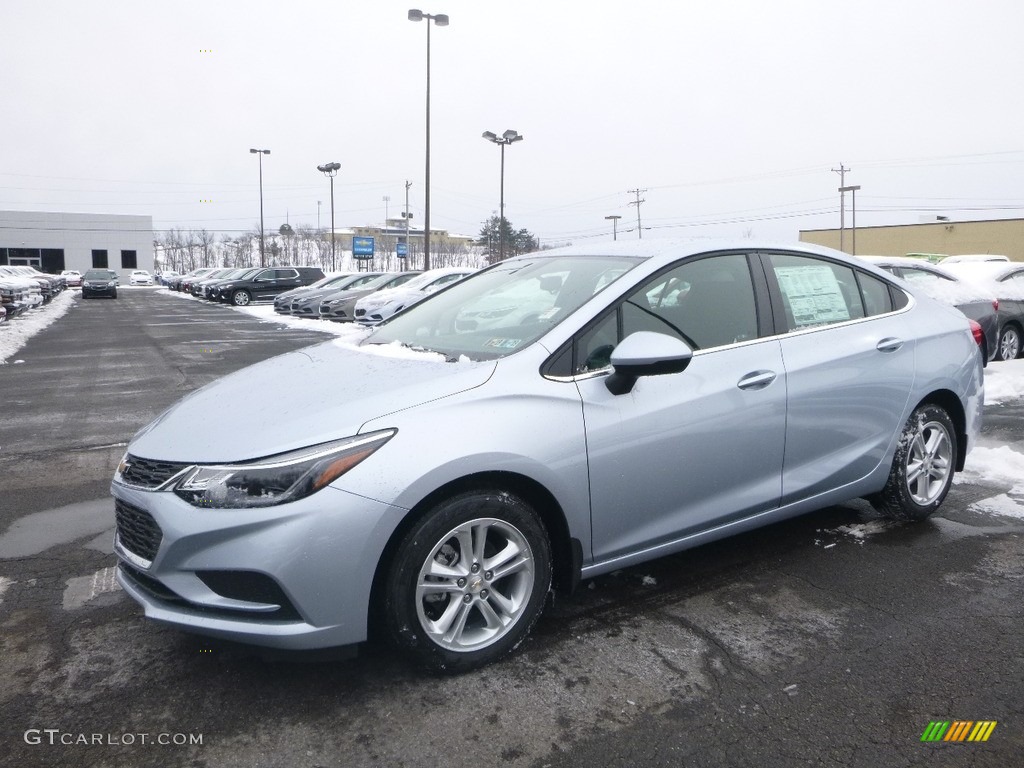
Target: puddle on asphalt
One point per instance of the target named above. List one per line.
(82, 589)
(38, 532)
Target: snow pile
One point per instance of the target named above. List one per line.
(1003, 505)
(1004, 381)
(961, 292)
(1001, 465)
(14, 333)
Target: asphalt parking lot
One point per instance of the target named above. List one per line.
(832, 639)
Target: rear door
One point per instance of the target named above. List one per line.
(849, 368)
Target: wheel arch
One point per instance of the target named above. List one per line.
(950, 403)
(566, 552)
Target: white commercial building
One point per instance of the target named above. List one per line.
(53, 242)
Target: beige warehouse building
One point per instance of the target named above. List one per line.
(947, 238)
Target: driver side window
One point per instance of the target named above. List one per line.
(707, 302)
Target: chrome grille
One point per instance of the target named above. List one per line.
(146, 473)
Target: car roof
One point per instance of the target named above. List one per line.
(670, 249)
(988, 270)
(909, 261)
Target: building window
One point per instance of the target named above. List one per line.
(129, 260)
(99, 259)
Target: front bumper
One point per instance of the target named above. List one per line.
(94, 290)
(294, 576)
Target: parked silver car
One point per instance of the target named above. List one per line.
(441, 477)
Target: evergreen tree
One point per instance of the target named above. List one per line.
(516, 243)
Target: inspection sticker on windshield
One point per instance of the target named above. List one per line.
(503, 343)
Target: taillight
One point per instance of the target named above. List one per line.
(995, 304)
(979, 335)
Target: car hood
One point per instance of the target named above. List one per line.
(390, 296)
(353, 294)
(303, 398)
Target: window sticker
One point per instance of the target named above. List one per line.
(503, 343)
(815, 296)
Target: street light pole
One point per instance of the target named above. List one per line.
(508, 137)
(442, 21)
(263, 247)
(331, 170)
(408, 217)
(615, 229)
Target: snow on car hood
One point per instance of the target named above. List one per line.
(303, 398)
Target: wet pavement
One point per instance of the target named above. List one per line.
(831, 639)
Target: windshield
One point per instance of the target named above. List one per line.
(498, 311)
(98, 274)
(356, 281)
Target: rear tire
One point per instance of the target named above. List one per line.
(922, 467)
(1009, 343)
(468, 581)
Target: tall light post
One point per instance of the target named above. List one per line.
(615, 226)
(331, 170)
(442, 21)
(508, 137)
(263, 247)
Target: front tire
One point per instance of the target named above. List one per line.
(922, 468)
(468, 581)
(241, 298)
(1009, 343)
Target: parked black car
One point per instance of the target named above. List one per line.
(977, 302)
(205, 286)
(267, 283)
(183, 282)
(99, 282)
(1007, 280)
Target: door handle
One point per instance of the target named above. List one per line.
(889, 344)
(756, 380)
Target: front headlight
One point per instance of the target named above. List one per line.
(277, 479)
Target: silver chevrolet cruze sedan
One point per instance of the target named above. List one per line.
(554, 417)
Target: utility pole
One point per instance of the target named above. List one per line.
(841, 170)
(637, 202)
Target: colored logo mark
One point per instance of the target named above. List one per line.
(958, 730)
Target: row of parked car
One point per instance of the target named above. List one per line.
(364, 297)
(24, 288)
(989, 292)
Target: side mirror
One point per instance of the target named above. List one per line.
(646, 354)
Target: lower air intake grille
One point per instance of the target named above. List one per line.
(138, 531)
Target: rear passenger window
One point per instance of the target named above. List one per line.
(816, 292)
(875, 292)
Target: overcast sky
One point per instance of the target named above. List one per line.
(729, 114)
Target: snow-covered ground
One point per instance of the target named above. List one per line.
(14, 333)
